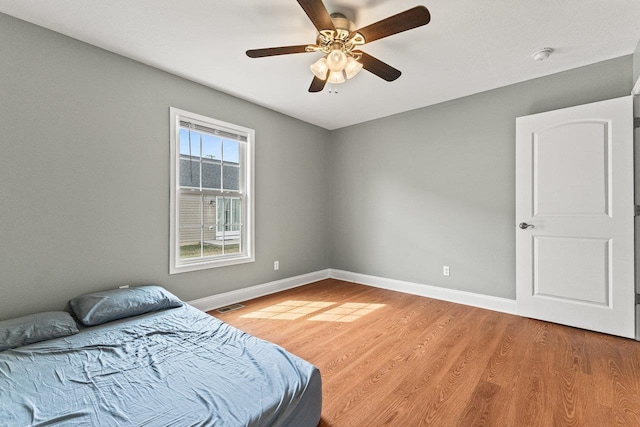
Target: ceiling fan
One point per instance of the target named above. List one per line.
(339, 44)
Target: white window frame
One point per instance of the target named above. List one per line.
(247, 184)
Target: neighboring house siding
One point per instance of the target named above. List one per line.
(190, 219)
(190, 173)
(190, 205)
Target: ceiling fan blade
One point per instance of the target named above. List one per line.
(377, 67)
(317, 85)
(273, 51)
(403, 21)
(318, 14)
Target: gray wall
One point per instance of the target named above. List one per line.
(435, 186)
(84, 176)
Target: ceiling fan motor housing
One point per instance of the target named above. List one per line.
(340, 21)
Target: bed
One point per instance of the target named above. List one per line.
(176, 366)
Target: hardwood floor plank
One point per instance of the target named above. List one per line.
(482, 407)
(625, 397)
(403, 388)
(505, 363)
(399, 353)
(426, 358)
(417, 361)
(463, 377)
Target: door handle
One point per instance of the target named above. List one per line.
(524, 225)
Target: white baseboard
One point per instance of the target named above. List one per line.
(245, 294)
(503, 305)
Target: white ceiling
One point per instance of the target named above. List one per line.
(469, 46)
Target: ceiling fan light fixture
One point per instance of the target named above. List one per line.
(320, 68)
(336, 77)
(336, 60)
(353, 67)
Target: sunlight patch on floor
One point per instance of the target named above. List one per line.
(288, 310)
(347, 312)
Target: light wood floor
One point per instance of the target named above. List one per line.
(415, 361)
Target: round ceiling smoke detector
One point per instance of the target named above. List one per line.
(542, 54)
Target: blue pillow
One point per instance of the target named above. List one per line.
(101, 307)
(36, 327)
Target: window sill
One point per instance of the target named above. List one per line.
(205, 265)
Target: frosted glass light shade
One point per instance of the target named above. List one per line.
(353, 67)
(319, 68)
(336, 60)
(336, 77)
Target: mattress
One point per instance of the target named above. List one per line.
(174, 367)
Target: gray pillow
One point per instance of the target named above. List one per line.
(100, 307)
(36, 327)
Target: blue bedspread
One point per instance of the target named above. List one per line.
(176, 367)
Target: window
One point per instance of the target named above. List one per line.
(211, 219)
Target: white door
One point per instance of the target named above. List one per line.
(575, 216)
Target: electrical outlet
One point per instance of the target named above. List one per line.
(445, 270)
(276, 265)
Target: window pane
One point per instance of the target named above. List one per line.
(232, 246)
(236, 214)
(209, 216)
(220, 218)
(189, 159)
(232, 225)
(190, 229)
(211, 147)
(184, 142)
(231, 152)
(231, 169)
(228, 221)
(212, 248)
(231, 177)
(211, 174)
(211, 159)
(210, 245)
